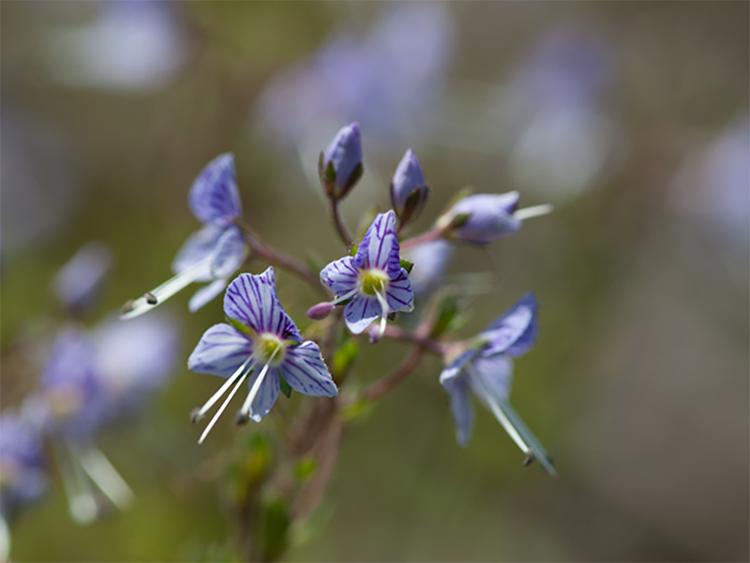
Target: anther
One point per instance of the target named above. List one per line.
(530, 458)
(150, 298)
(195, 415)
(240, 419)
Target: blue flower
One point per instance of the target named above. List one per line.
(486, 370)
(408, 188)
(373, 279)
(23, 465)
(211, 254)
(430, 261)
(485, 218)
(79, 283)
(262, 346)
(340, 165)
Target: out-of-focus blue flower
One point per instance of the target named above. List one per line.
(408, 188)
(130, 46)
(79, 283)
(430, 261)
(388, 80)
(486, 370)
(262, 346)
(211, 254)
(485, 218)
(372, 281)
(23, 466)
(340, 166)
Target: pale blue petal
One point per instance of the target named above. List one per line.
(267, 394)
(229, 254)
(340, 276)
(515, 331)
(206, 294)
(496, 375)
(214, 197)
(463, 413)
(399, 293)
(197, 247)
(379, 248)
(305, 371)
(221, 351)
(253, 300)
(360, 312)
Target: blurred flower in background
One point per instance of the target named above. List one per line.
(79, 284)
(131, 46)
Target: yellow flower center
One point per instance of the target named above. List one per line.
(373, 281)
(269, 349)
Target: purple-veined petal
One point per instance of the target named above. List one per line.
(305, 371)
(221, 351)
(399, 293)
(267, 394)
(514, 332)
(229, 254)
(455, 369)
(206, 294)
(214, 197)
(340, 276)
(360, 312)
(496, 375)
(253, 300)
(489, 217)
(380, 248)
(198, 246)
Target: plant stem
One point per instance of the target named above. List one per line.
(384, 385)
(416, 338)
(338, 222)
(429, 236)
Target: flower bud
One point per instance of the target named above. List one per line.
(340, 165)
(320, 311)
(408, 188)
(481, 218)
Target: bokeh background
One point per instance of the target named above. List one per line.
(631, 118)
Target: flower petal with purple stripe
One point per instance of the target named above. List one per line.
(399, 293)
(360, 312)
(305, 371)
(221, 351)
(267, 394)
(380, 248)
(514, 332)
(214, 197)
(340, 276)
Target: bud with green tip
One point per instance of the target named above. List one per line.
(340, 165)
(408, 188)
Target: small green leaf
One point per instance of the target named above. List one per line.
(460, 220)
(406, 265)
(447, 310)
(357, 409)
(354, 249)
(305, 468)
(285, 387)
(273, 529)
(344, 358)
(243, 328)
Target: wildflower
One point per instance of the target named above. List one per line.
(485, 218)
(408, 189)
(78, 284)
(430, 261)
(340, 165)
(486, 369)
(372, 281)
(262, 346)
(211, 254)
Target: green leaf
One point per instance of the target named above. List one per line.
(353, 250)
(459, 220)
(273, 529)
(285, 387)
(344, 358)
(305, 468)
(243, 328)
(357, 409)
(406, 265)
(447, 311)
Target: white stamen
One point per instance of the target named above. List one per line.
(166, 290)
(346, 296)
(223, 389)
(245, 410)
(534, 211)
(384, 309)
(105, 476)
(81, 501)
(497, 411)
(4, 540)
(221, 410)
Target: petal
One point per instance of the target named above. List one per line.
(221, 351)
(496, 375)
(463, 413)
(400, 294)
(206, 294)
(197, 247)
(214, 197)
(229, 254)
(267, 394)
(453, 370)
(514, 332)
(379, 248)
(340, 276)
(253, 300)
(305, 371)
(360, 312)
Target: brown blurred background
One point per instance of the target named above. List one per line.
(631, 118)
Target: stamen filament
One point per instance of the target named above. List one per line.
(346, 296)
(534, 211)
(245, 410)
(105, 476)
(81, 502)
(384, 310)
(4, 540)
(221, 409)
(223, 389)
(166, 290)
